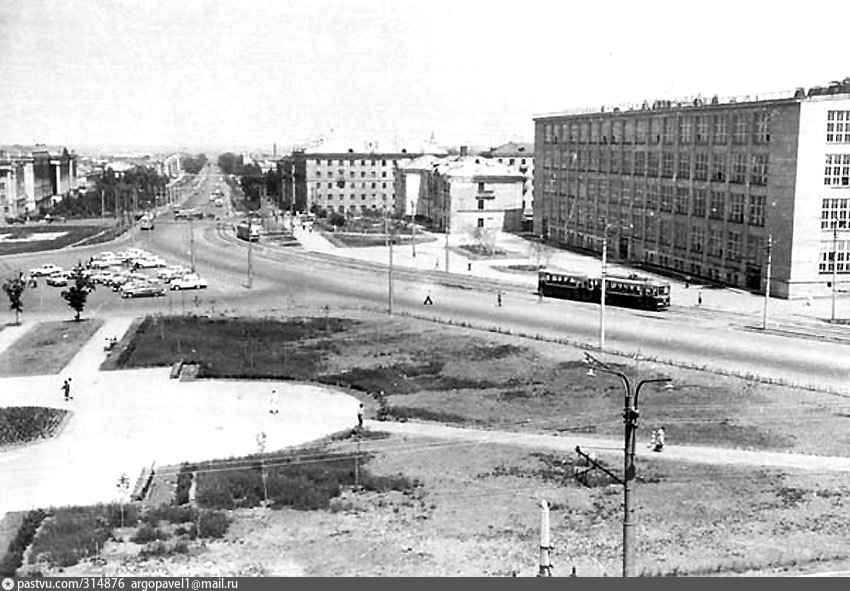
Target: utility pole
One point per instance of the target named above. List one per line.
(389, 239)
(102, 203)
(413, 227)
(292, 198)
(545, 543)
(767, 284)
(602, 291)
(192, 242)
(250, 249)
(630, 417)
(834, 267)
(261, 448)
(448, 229)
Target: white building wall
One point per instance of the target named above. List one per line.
(810, 191)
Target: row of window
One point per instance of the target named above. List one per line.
(834, 255)
(838, 127)
(681, 129)
(720, 167)
(353, 162)
(837, 171)
(351, 174)
(330, 196)
(511, 161)
(351, 185)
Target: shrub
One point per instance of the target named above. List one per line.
(71, 534)
(14, 556)
(131, 514)
(146, 534)
(171, 514)
(213, 524)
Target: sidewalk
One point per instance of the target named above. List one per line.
(431, 256)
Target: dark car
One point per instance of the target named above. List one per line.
(15, 220)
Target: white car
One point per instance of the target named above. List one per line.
(172, 272)
(148, 263)
(45, 269)
(187, 282)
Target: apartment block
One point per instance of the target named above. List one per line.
(698, 186)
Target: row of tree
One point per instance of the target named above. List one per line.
(115, 194)
(81, 285)
(193, 164)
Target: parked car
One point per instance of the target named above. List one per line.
(102, 277)
(142, 290)
(45, 269)
(15, 220)
(57, 279)
(148, 263)
(187, 282)
(172, 272)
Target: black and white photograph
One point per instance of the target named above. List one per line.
(453, 288)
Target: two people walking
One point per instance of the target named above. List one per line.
(658, 439)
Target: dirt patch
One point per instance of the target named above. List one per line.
(47, 348)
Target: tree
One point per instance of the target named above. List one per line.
(14, 288)
(485, 240)
(336, 219)
(540, 253)
(77, 294)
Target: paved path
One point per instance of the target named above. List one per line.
(568, 443)
(123, 421)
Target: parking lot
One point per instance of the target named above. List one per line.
(130, 274)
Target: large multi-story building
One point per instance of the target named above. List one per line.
(32, 177)
(343, 179)
(699, 186)
(461, 194)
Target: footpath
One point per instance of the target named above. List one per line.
(568, 443)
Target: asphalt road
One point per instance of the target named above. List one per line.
(286, 277)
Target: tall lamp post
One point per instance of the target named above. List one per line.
(834, 268)
(767, 283)
(630, 417)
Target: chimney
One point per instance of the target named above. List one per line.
(463, 150)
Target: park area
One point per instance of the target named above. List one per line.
(35, 238)
(373, 503)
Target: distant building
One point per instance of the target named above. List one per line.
(698, 186)
(461, 194)
(519, 155)
(33, 177)
(342, 178)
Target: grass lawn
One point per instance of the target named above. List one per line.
(29, 423)
(47, 348)
(71, 234)
(351, 240)
(475, 512)
(461, 376)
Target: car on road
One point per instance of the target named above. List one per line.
(58, 279)
(15, 220)
(45, 269)
(142, 290)
(187, 282)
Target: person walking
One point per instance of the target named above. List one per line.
(66, 388)
(274, 403)
(699, 298)
(428, 301)
(499, 299)
(659, 439)
(360, 416)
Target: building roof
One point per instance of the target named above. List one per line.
(424, 162)
(475, 166)
(375, 147)
(512, 149)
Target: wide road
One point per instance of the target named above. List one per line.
(287, 277)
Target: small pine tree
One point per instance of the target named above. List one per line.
(77, 294)
(14, 288)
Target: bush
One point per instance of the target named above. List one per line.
(146, 534)
(171, 514)
(131, 514)
(71, 534)
(213, 524)
(14, 556)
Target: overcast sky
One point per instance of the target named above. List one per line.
(249, 73)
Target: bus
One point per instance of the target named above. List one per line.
(631, 291)
(248, 232)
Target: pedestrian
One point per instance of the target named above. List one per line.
(428, 301)
(274, 403)
(687, 281)
(659, 440)
(499, 299)
(360, 416)
(66, 388)
(699, 298)
(469, 265)
(653, 439)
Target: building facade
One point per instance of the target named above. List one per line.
(518, 155)
(463, 194)
(698, 187)
(33, 177)
(343, 179)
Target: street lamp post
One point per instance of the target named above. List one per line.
(834, 268)
(389, 239)
(767, 283)
(630, 417)
(602, 290)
